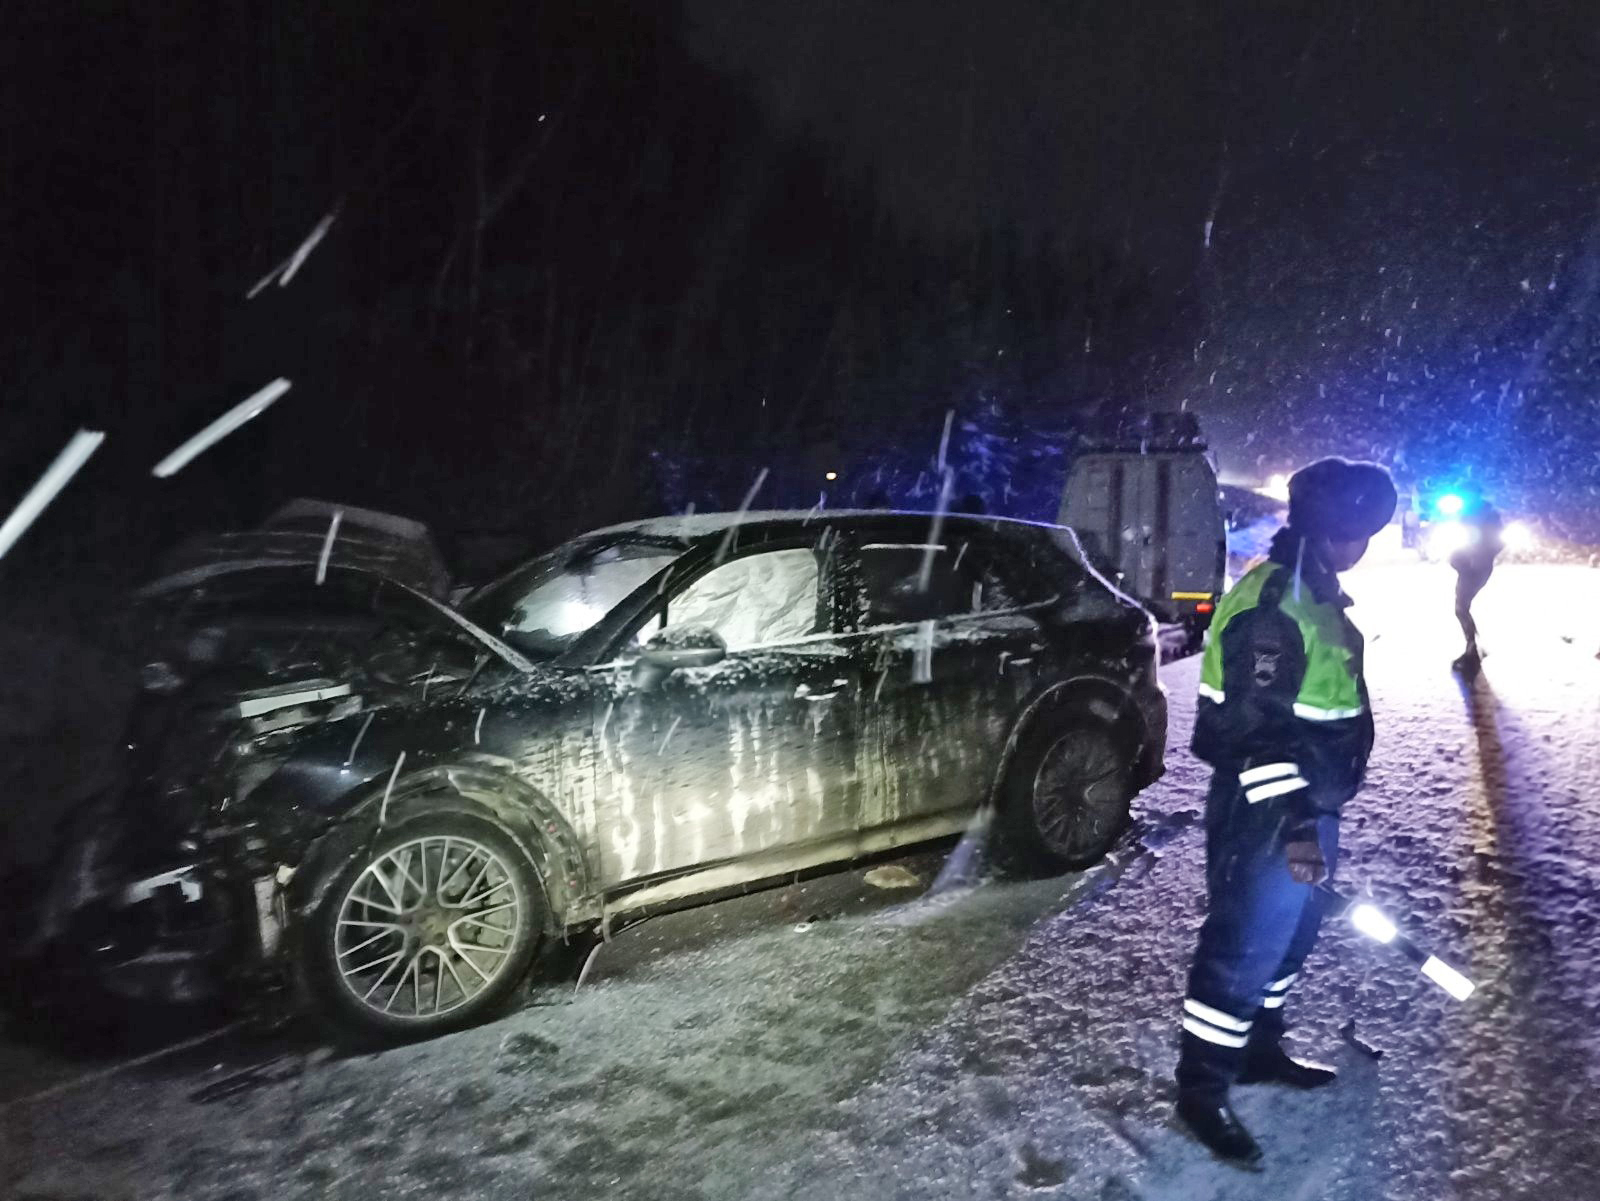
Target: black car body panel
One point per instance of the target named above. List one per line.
(881, 669)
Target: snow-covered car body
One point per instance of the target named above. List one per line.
(656, 713)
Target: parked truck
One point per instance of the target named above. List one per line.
(1144, 498)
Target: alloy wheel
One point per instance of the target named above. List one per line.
(427, 926)
(1079, 793)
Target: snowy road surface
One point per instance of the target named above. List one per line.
(1004, 1040)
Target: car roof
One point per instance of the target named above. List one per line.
(701, 527)
(700, 530)
(691, 526)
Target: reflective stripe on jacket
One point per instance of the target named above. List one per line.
(1282, 700)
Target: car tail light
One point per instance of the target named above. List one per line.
(1204, 607)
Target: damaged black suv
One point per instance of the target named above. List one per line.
(394, 799)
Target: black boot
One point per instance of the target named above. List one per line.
(1271, 1064)
(1211, 1120)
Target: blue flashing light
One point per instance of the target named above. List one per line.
(1450, 504)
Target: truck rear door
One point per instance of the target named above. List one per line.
(1196, 542)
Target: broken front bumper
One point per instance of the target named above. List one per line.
(181, 935)
(167, 938)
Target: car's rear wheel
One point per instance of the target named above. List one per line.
(1068, 795)
(428, 929)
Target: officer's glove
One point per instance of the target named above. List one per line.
(1306, 863)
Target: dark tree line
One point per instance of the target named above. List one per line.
(569, 275)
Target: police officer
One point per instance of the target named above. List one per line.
(1283, 720)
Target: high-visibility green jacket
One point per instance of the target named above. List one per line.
(1283, 704)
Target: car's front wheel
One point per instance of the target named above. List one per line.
(428, 929)
(1068, 795)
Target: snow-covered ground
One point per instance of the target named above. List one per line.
(839, 1040)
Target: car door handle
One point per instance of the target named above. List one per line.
(803, 692)
(1010, 662)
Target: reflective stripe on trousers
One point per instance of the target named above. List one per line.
(1260, 926)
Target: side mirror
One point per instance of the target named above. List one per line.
(675, 647)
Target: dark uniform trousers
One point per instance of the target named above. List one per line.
(1260, 926)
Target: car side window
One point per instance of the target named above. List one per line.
(959, 578)
(928, 581)
(755, 600)
(910, 582)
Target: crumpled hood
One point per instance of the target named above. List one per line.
(378, 543)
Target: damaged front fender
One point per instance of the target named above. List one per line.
(484, 789)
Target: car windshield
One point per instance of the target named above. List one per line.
(545, 606)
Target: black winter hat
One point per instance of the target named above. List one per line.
(1340, 500)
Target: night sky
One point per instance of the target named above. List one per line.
(1394, 188)
(794, 237)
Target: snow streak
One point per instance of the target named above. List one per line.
(56, 477)
(220, 428)
(744, 507)
(925, 574)
(666, 576)
(265, 280)
(327, 544)
(588, 963)
(961, 864)
(360, 734)
(383, 809)
(285, 271)
(671, 730)
(304, 252)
